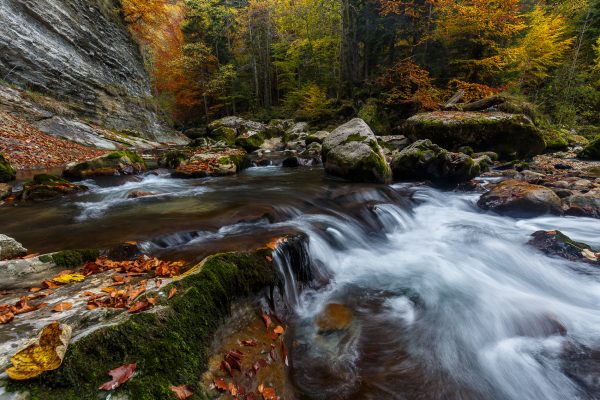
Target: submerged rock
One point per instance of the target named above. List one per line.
(48, 187)
(521, 199)
(555, 243)
(510, 135)
(351, 152)
(425, 160)
(213, 163)
(7, 172)
(335, 317)
(10, 248)
(115, 163)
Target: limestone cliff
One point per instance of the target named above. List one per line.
(79, 52)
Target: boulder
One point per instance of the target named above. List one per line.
(278, 127)
(48, 187)
(583, 204)
(229, 128)
(10, 248)
(591, 151)
(393, 142)
(557, 244)
(7, 172)
(509, 135)
(291, 162)
(250, 140)
(521, 199)
(351, 152)
(425, 160)
(317, 137)
(213, 163)
(115, 163)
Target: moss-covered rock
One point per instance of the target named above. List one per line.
(173, 159)
(591, 151)
(509, 135)
(250, 140)
(48, 187)
(221, 162)
(556, 139)
(170, 343)
(7, 172)
(71, 258)
(425, 160)
(351, 152)
(555, 243)
(317, 137)
(118, 162)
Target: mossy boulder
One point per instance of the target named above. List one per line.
(173, 159)
(7, 172)
(510, 135)
(424, 160)
(591, 151)
(557, 244)
(115, 163)
(170, 343)
(351, 152)
(217, 162)
(229, 128)
(317, 137)
(556, 139)
(250, 140)
(521, 199)
(48, 187)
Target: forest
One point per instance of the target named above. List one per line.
(319, 59)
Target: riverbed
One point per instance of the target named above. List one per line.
(444, 301)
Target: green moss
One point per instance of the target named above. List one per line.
(72, 258)
(372, 114)
(591, 151)
(133, 157)
(173, 159)
(555, 139)
(355, 137)
(250, 143)
(170, 345)
(223, 133)
(7, 172)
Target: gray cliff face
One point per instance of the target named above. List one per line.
(79, 52)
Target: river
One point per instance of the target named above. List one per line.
(445, 301)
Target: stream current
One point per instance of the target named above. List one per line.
(443, 300)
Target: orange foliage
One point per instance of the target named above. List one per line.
(407, 82)
(473, 91)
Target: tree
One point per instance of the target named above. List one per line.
(544, 46)
(475, 32)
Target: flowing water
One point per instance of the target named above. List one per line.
(441, 300)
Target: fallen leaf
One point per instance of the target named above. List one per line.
(260, 388)
(220, 384)
(249, 343)
(269, 259)
(50, 285)
(62, 307)
(172, 293)
(182, 392)
(6, 317)
(140, 306)
(35, 290)
(279, 330)
(233, 389)
(265, 318)
(119, 376)
(590, 255)
(68, 278)
(46, 354)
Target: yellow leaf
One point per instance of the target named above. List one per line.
(68, 278)
(46, 354)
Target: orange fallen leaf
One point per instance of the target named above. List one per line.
(119, 376)
(279, 330)
(172, 293)
(35, 290)
(62, 307)
(182, 392)
(139, 307)
(50, 285)
(220, 384)
(6, 317)
(275, 242)
(269, 259)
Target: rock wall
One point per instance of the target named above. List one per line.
(79, 52)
